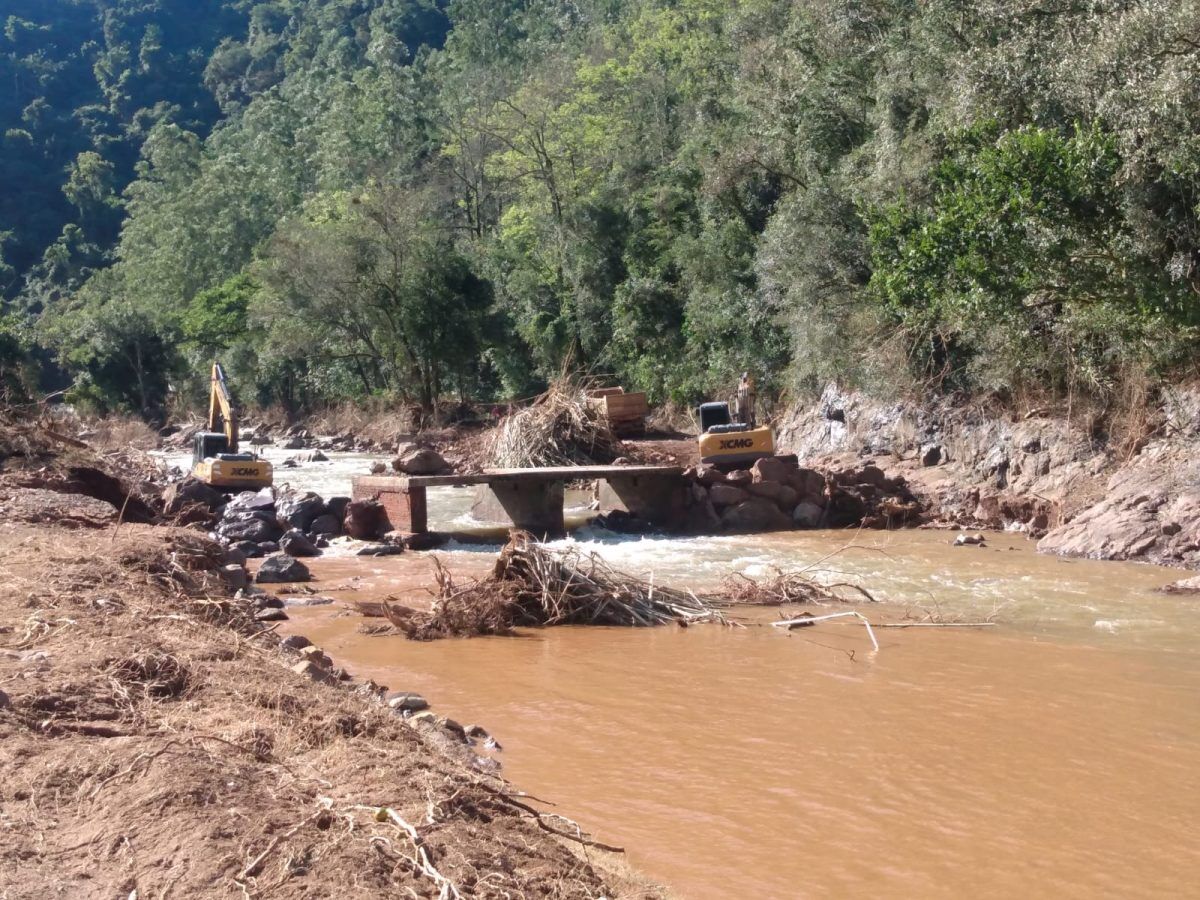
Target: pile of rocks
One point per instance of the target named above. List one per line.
(297, 523)
(777, 494)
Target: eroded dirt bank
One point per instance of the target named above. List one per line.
(154, 743)
(1072, 482)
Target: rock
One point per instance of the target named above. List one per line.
(381, 550)
(771, 468)
(782, 495)
(931, 454)
(307, 669)
(364, 520)
(295, 543)
(234, 556)
(311, 456)
(248, 549)
(969, 540)
(423, 461)
(755, 514)
(270, 615)
(289, 602)
(290, 463)
(809, 484)
(424, 718)
(808, 515)
(845, 509)
(251, 500)
(282, 569)
(264, 600)
(454, 728)
(294, 443)
(739, 478)
(425, 540)
(727, 495)
(477, 732)
(5, 703)
(167, 430)
(316, 656)
(403, 701)
(378, 468)
(709, 475)
(252, 525)
(1186, 586)
(298, 510)
(326, 524)
(337, 507)
(295, 643)
(191, 492)
(235, 576)
(266, 548)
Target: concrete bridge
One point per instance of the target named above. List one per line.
(532, 499)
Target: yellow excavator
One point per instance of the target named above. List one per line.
(726, 441)
(215, 457)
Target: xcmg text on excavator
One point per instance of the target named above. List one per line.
(215, 457)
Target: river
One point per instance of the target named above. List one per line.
(1054, 754)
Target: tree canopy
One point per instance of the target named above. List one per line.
(424, 199)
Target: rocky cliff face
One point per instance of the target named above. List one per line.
(1048, 476)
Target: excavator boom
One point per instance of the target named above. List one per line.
(216, 460)
(221, 416)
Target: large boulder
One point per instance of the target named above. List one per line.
(191, 495)
(807, 515)
(311, 456)
(422, 461)
(252, 500)
(771, 468)
(782, 495)
(756, 514)
(337, 506)
(709, 475)
(328, 524)
(298, 509)
(727, 495)
(739, 477)
(809, 484)
(294, 443)
(282, 569)
(252, 525)
(296, 543)
(365, 520)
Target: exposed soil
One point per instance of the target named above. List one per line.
(154, 743)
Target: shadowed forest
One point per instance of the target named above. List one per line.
(422, 201)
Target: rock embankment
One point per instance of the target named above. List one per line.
(1069, 482)
(777, 494)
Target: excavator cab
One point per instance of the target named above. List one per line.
(215, 457)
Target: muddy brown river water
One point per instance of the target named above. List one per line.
(1054, 755)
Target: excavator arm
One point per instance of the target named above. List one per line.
(220, 410)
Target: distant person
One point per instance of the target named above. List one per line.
(745, 400)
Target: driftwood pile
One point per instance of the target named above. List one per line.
(560, 428)
(533, 586)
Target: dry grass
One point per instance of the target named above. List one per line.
(120, 433)
(560, 428)
(157, 745)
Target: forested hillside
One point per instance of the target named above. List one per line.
(423, 200)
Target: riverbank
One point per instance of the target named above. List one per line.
(1074, 481)
(153, 742)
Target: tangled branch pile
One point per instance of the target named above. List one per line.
(560, 428)
(534, 586)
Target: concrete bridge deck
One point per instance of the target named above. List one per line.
(532, 499)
